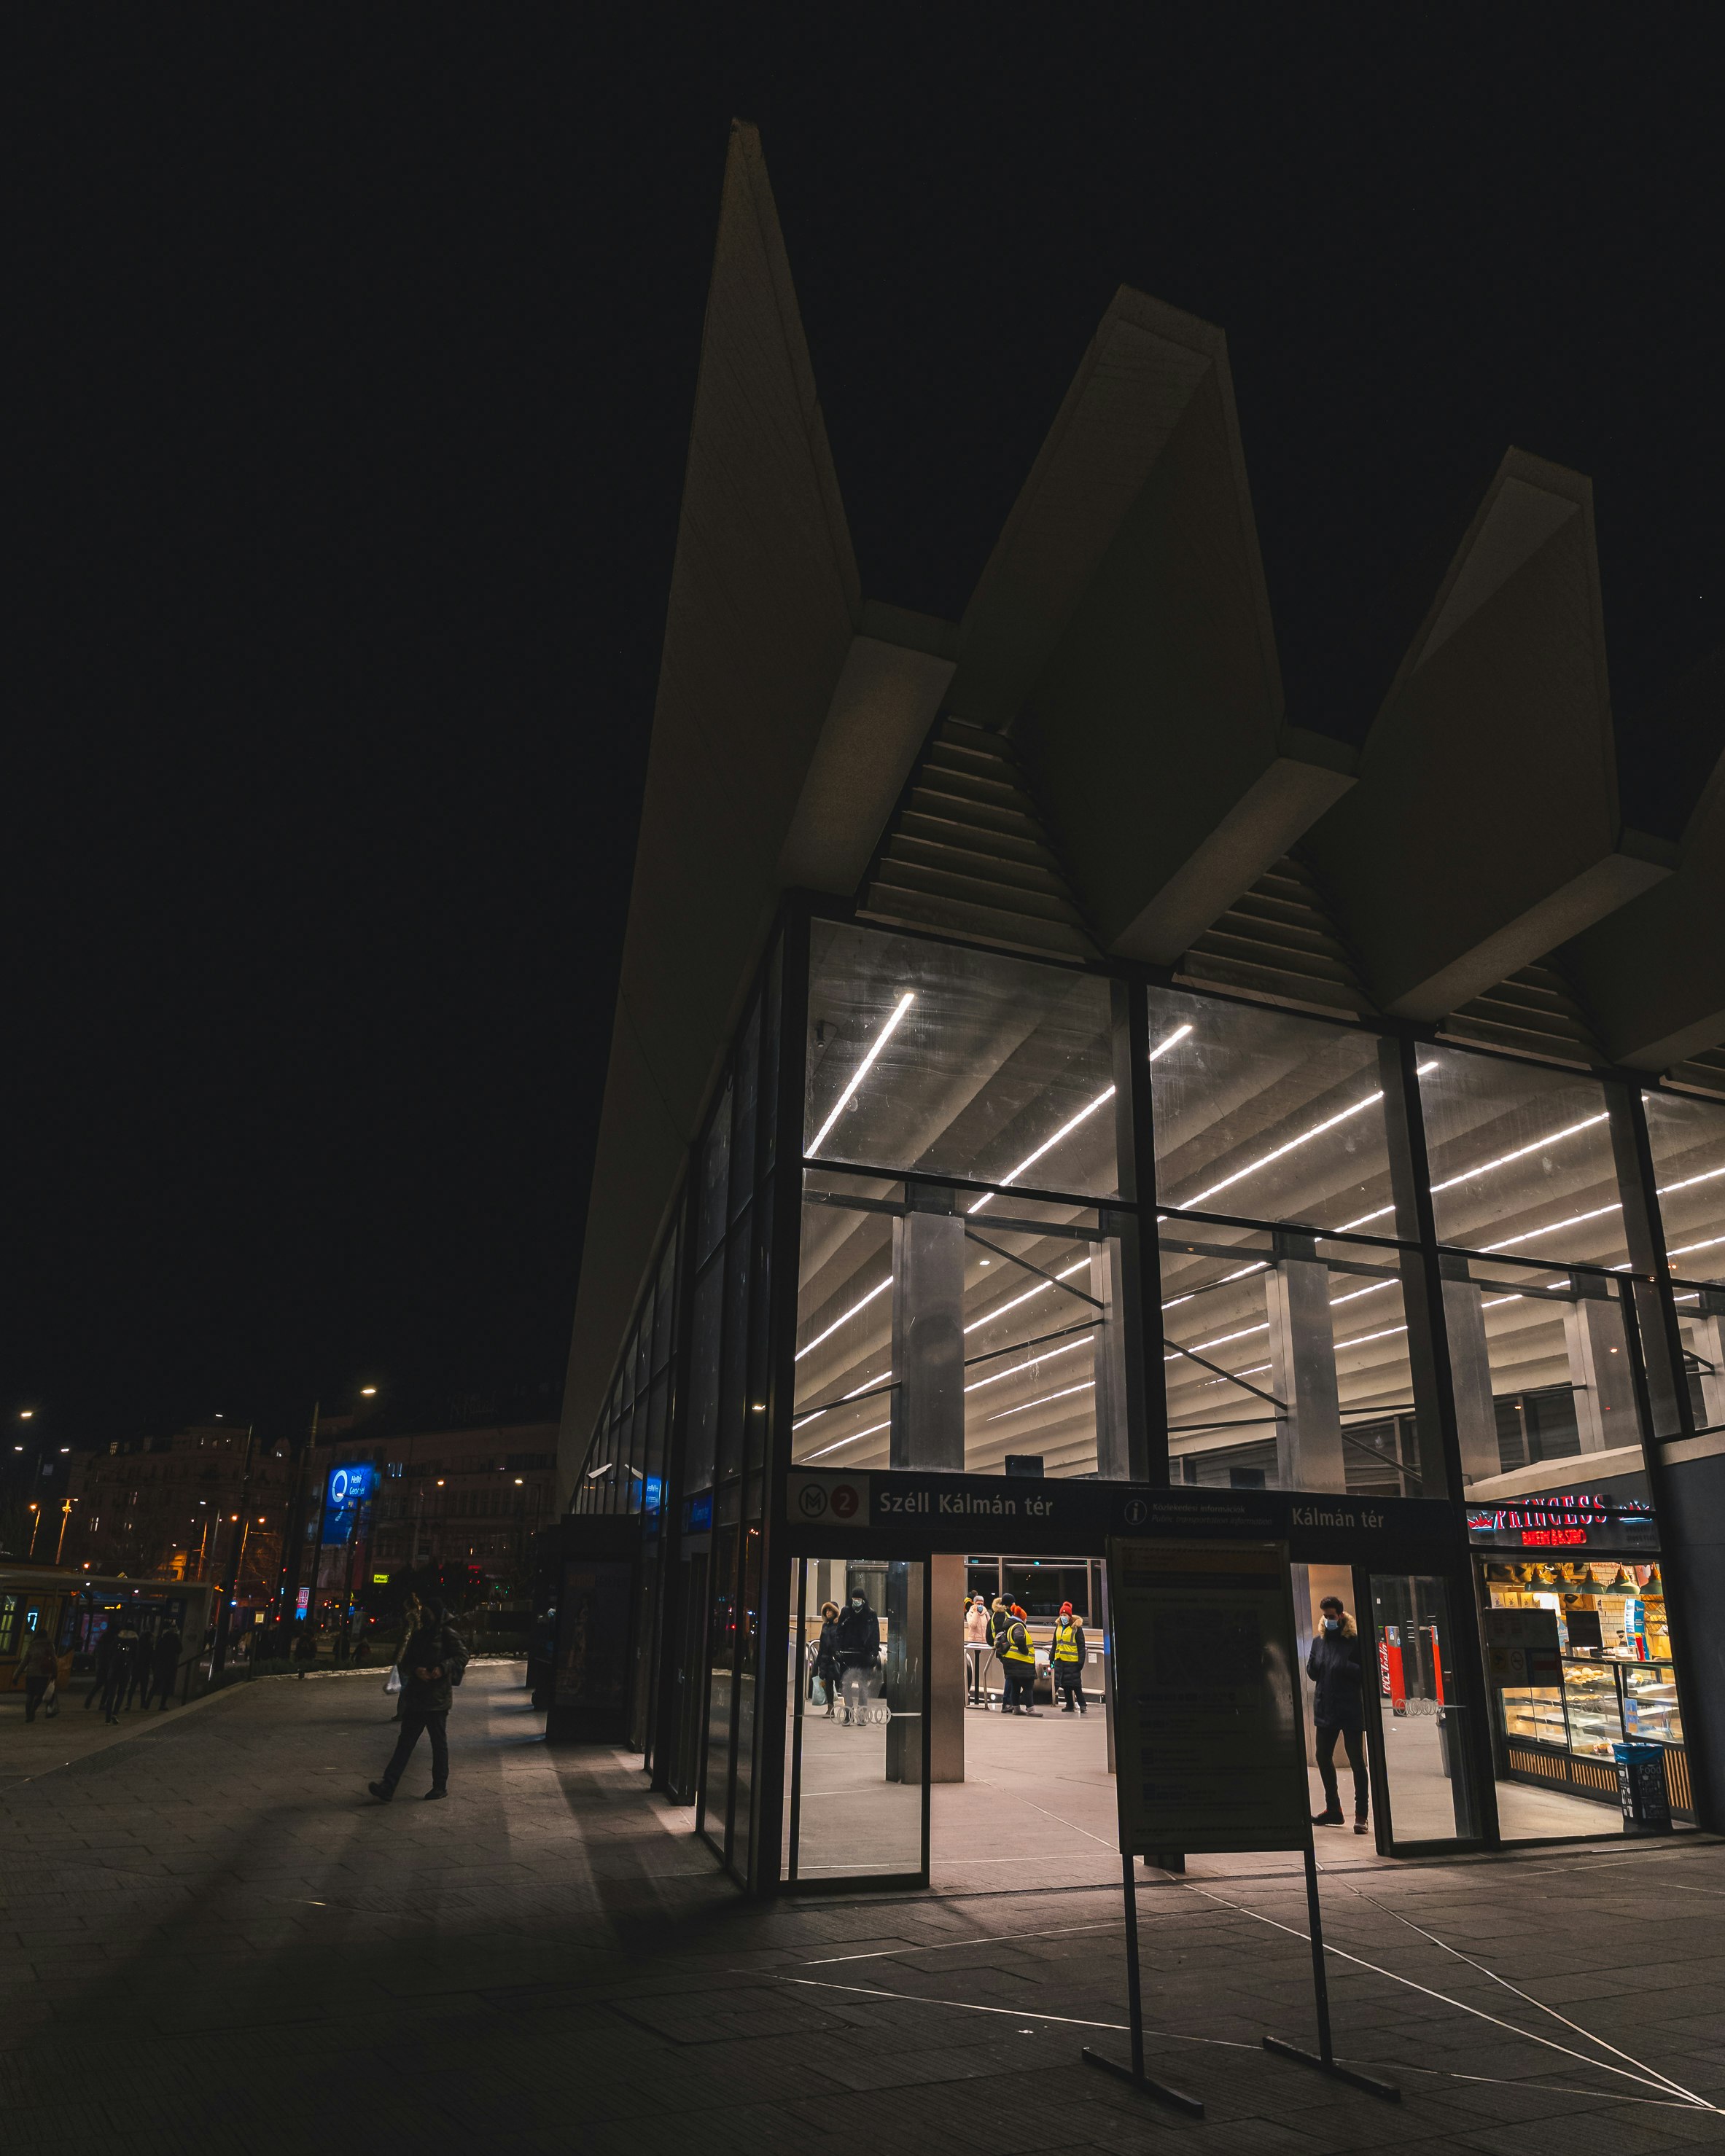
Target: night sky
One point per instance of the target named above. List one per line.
(353, 357)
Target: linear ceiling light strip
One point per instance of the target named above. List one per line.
(1066, 1130)
(862, 1070)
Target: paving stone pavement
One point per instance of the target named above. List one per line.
(212, 1934)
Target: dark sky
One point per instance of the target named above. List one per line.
(352, 360)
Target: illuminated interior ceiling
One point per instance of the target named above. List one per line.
(1103, 759)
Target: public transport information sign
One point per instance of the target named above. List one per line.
(1207, 1739)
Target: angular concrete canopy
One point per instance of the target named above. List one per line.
(1654, 973)
(786, 719)
(1121, 633)
(1484, 829)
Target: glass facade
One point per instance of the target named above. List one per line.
(960, 1210)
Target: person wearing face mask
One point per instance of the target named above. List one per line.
(1066, 1656)
(856, 1647)
(976, 1649)
(1018, 1660)
(1334, 1667)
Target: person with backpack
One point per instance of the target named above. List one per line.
(432, 1663)
(1018, 1659)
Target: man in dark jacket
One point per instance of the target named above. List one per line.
(103, 1659)
(120, 1668)
(1339, 1710)
(431, 1664)
(168, 1644)
(856, 1650)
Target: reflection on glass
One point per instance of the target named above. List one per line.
(1287, 1364)
(931, 1335)
(958, 1062)
(1267, 1115)
(721, 1648)
(1542, 1364)
(1521, 1159)
(1687, 1140)
(856, 1794)
(1421, 1710)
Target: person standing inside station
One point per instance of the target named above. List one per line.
(1019, 1661)
(976, 1649)
(856, 1640)
(1066, 1660)
(1000, 1622)
(1339, 1710)
(827, 1669)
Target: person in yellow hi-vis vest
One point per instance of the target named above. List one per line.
(1066, 1660)
(1018, 1659)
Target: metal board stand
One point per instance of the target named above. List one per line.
(1324, 2058)
(1135, 2073)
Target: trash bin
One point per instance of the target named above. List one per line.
(1641, 1789)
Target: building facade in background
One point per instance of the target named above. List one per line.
(170, 1508)
(471, 1498)
(1056, 1090)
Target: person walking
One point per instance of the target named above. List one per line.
(1019, 1661)
(1066, 1656)
(118, 1686)
(976, 1649)
(433, 1663)
(168, 1644)
(855, 1640)
(1339, 1710)
(305, 1646)
(143, 1666)
(413, 1616)
(826, 1657)
(40, 1670)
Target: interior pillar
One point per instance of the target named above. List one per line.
(1302, 1376)
(947, 1687)
(1599, 1367)
(1706, 1337)
(929, 1333)
(1114, 1458)
(1470, 1372)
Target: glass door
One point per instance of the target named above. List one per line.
(1421, 1774)
(857, 1762)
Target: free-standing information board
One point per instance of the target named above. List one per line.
(1207, 1739)
(1209, 1752)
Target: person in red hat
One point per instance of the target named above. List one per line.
(1067, 1657)
(1018, 1659)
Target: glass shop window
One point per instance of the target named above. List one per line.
(1522, 1160)
(959, 1062)
(1687, 1141)
(1286, 1364)
(1269, 1116)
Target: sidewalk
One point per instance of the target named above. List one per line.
(212, 1937)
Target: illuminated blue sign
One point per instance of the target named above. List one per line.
(349, 1488)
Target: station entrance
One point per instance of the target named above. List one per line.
(903, 1767)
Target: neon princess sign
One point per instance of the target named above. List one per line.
(1559, 1522)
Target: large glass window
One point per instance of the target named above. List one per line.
(1687, 1140)
(1285, 1357)
(934, 1334)
(958, 1062)
(1269, 1116)
(1522, 1159)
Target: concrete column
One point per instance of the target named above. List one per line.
(1599, 1367)
(906, 1731)
(1470, 1373)
(1302, 1374)
(1706, 1331)
(928, 1334)
(946, 1668)
(1113, 1462)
